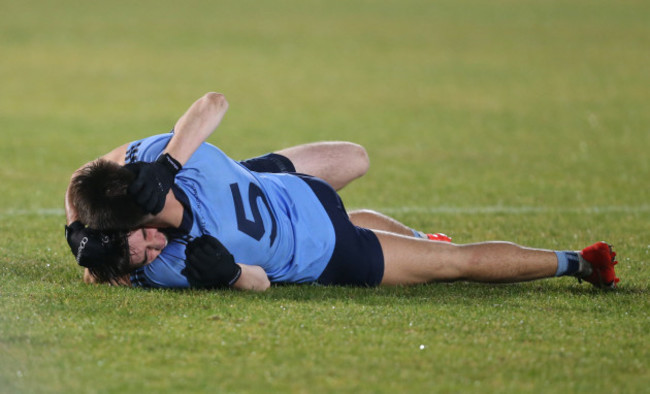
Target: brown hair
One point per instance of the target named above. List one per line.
(99, 194)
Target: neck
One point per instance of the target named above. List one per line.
(170, 216)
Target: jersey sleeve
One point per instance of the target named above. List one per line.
(147, 149)
(164, 271)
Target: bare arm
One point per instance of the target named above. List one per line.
(190, 131)
(196, 125)
(336, 162)
(252, 278)
(153, 180)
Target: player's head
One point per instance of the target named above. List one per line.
(99, 193)
(145, 244)
(120, 253)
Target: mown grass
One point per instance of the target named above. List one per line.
(525, 121)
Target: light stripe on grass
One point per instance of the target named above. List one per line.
(495, 209)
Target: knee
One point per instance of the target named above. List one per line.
(358, 159)
(362, 213)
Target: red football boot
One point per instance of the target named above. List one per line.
(439, 237)
(602, 259)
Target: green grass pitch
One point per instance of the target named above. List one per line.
(526, 121)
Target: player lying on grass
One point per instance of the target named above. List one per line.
(229, 226)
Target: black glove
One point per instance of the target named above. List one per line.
(152, 182)
(209, 264)
(90, 247)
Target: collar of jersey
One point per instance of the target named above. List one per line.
(188, 220)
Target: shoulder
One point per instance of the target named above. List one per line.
(146, 149)
(165, 270)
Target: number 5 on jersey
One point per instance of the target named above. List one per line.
(253, 228)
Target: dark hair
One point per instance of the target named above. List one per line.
(116, 263)
(99, 194)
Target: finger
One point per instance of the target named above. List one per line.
(144, 199)
(136, 186)
(212, 241)
(144, 193)
(192, 277)
(225, 258)
(159, 205)
(189, 271)
(76, 226)
(134, 167)
(201, 271)
(203, 256)
(197, 253)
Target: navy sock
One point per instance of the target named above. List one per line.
(568, 263)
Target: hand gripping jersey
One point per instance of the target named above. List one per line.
(271, 220)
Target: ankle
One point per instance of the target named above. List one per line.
(585, 268)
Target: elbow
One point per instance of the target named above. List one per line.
(214, 100)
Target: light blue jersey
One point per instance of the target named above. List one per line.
(271, 220)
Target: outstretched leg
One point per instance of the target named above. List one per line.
(336, 162)
(410, 260)
(377, 221)
(374, 220)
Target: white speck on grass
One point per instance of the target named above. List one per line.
(422, 347)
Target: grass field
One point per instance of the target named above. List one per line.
(527, 121)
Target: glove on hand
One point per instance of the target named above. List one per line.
(90, 247)
(152, 182)
(209, 264)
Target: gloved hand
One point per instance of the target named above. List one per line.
(152, 182)
(209, 264)
(90, 247)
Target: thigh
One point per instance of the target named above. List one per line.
(357, 258)
(336, 162)
(409, 260)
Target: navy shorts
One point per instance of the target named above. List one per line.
(357, 259)
(271, 162)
